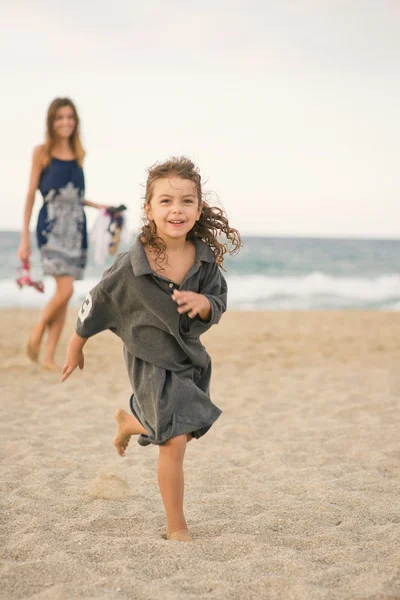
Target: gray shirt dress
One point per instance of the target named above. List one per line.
(168, 366)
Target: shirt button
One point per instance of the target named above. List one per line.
(171, 285)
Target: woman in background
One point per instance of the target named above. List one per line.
(61, 229)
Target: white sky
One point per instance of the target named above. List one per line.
(290, 107)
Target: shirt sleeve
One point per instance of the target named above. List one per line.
(96, 314)
(214, 287)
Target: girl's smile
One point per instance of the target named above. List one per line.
(174, 207)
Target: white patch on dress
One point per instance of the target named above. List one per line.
(85, 308)
(65, 213)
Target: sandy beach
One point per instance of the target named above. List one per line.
(293, 494)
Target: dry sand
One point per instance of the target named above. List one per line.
(293, 494)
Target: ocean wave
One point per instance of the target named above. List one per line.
(313, 291)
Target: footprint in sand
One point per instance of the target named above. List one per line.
(109, 486)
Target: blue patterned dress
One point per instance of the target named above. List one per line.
(61, 229)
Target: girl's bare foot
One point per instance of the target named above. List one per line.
(50, 365)
(122, 438)
(182, 535)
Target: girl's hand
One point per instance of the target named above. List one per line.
(74, 359)
(24, 251)
(193, 304)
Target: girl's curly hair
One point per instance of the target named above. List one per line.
(212, 223)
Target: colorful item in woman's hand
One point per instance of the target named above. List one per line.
(115, 227)
(25, 278)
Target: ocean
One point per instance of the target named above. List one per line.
(269, 273)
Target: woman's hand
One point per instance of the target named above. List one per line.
(193, 304)
(24, 251)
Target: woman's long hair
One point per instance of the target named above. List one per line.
(74, 140)
(212, 224)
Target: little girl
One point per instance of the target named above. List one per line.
(159, 298)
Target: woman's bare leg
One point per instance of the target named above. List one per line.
(171, 482)
(57, 305)
(127, 425)
(54, 332)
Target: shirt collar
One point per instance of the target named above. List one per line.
(140, 263)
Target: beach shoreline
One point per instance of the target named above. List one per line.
(294, 493)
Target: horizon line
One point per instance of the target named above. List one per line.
(309, 236)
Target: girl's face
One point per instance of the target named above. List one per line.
(64, 123)
(174, 207)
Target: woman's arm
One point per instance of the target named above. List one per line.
(25, 245)
(95, 205)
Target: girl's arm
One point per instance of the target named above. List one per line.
(206, 307)
(95, 205)
(24, 249)
(75, 357)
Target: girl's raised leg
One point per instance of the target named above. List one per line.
(127, 425)
(171, 482)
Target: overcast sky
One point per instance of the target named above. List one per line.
(290, 108)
